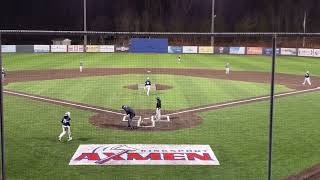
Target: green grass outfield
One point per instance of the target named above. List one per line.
(109, 91)
(285, 64)
(238, 136)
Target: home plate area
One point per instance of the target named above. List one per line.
(147, 122)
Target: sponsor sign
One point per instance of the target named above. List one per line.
(75, 48)
(59, 48)
(190, 49)
(316, 52)
(41, 48)
(106, 48)
(93, 48)
(305, 52)
(289, 51)
(221, 50)
(143, 154)
(268, 51)
(254, 50)
(237, 50)
(8, 48)
(206, 49)
(122, 49)
(175, 49)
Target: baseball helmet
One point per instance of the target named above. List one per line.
(67, 113)
(124, 106)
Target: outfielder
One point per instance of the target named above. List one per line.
(158, 109)
(227, 68)
(179, 58)
(66, 126)
(130, 114)
(147, 86)
(81, 66)
(307, 78)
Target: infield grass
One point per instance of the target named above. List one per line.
(110, 91)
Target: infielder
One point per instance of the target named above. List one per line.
(130, 114)
(227, 66)
(81, 66)
(66, 126)
(307, 78)
(179, 58)
(147, 86)
(3, 73)
(158, 109)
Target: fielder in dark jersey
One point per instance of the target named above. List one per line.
(130, 113)
(147, 85)
(306, 78)
(65, 121)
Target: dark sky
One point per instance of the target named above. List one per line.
(161, 15)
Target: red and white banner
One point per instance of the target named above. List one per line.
(143, 154)
(254, 50)
(75, 48)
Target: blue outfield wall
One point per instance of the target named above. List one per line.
(143, 45)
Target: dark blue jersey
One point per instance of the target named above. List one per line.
(147, 83)
(129, 111)
(66, 120)
(158, 104)
(307, 75)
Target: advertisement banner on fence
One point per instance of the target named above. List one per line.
(289, 51)
(237, 50)
(149, 45)
(107, 48)
(221, 50)
(268, 51)
(190, 49)
(316, 52)
(254, 50)
(206, 49)
(59, 48)
(41, 48)
(92, 48)
(305, 52)
(8, 48)
(143, 154)
(175, 49)
(24, 48)
(75, 48)
(122, 49)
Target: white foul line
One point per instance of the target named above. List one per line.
(242, 101)
(61, 102)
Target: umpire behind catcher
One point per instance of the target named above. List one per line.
(130, 113)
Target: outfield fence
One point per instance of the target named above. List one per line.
(246, 107)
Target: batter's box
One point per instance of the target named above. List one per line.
(163, 118)
(136, 118)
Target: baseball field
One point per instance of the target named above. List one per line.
(228, 112)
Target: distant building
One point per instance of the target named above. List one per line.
(61, 42)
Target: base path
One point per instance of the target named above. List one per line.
(186, 118)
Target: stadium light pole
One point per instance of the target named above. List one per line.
(304, 27)
(213, 16)
(3, 162)
(85, 22)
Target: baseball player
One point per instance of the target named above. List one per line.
(158, 109)
(227, 66)
(130, 114)
(307, 78)
(66, 126)
(3, 73)
(147, 86)
(81, 66)
(179, 58)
